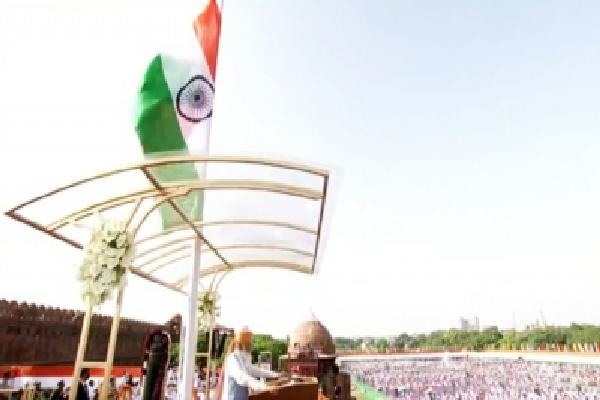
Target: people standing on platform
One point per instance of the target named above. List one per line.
(125, 391)
(59, 392)
(137, 391)
(239, 375)
(122, 381)
(82, 387)
(171, 386)
(7, 382)
(172, 375)
(112, 389)
(91, 390)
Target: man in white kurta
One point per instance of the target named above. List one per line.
(239, 373)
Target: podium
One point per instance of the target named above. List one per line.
(293, 391)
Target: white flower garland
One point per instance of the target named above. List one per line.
(107, 256)
(208, 309)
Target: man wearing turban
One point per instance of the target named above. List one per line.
(239, 375)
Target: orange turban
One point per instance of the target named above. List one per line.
(243, 338)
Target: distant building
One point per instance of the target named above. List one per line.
(466, 325)
(533, 326)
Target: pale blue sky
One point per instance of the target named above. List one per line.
(463, 137)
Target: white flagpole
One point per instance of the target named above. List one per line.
(191, 334)
(205, 173)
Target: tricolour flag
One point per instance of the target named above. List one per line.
(175, 106)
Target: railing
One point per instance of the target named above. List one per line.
(542, 348)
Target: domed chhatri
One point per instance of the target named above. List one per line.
(311, 335)
(311, 352)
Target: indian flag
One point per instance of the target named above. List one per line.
(175, 106)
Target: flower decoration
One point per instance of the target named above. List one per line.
(107, 256)
(208, 309)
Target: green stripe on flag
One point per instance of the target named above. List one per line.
(159, 132)
(156, 123)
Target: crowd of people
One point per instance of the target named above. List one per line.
(199, 388)
(123, 388)
(88, 388)
(474, 379)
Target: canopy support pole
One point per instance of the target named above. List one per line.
(112, 344)
(209, 357)
(83, 338)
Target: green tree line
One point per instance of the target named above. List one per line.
(451, 339)
(489, 338)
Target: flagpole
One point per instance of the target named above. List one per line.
(205, 168)
(209, 127)
(191, 334)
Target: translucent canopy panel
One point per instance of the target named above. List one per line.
(247, 212)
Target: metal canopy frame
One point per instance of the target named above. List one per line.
(166, 193)
(164, 248)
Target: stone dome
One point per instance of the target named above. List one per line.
(311, 335)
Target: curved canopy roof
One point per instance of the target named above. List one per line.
(257, 213)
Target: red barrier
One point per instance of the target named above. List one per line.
(40, 371)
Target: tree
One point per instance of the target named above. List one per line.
(401, 341)
(490, 337)
(174, 356)
(266, 343)
(381, 345)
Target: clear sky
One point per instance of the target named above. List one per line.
(463, 137)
